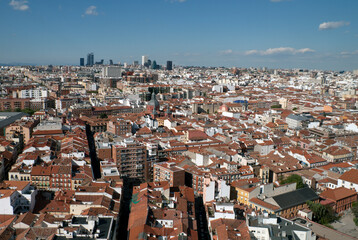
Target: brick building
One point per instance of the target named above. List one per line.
(14, 103)
(131, 159)
(40, 177)
(166, 171)
(61, 177)
(24, 127)
(340, 199)
(119, 127)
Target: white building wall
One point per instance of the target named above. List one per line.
(33, 93)
(305, 235)
(225, 215)
(348, 185)
(6, 207)
(260, 233)
(210, 192)
(199, 160)
(224, 190)
(111, 72)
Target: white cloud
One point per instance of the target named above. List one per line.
(179, 1)
(280, 50)
(20, 5)
(252, 52)
(91, 10)
(332, 25)
(304, 50)
(349, 53)
(226, 52)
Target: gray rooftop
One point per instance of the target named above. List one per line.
(6, 118)
(282, 229)
(294, 198)
(297, 117)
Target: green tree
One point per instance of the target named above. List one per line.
(103, 115)
(355, 209)
(322, 214)
(28, 111)
(355, 220)
(294, 178)
(355, 212)
(276, 106)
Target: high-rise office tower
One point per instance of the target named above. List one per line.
(144, 60)
(82, 62)
(154, 64)
(169, 65)
(90, 59)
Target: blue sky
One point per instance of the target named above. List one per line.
(313, 34)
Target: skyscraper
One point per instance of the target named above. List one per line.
(90, 59)
(82, 62)
(154, 65)
(169, 65)
(144, 60)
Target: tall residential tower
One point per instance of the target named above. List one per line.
(144, 60)
(90, 59)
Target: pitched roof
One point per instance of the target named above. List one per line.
(18, 185)
(26, 218)
(294, 198)
(264, 204)
(338, 193)
(197, 135)
(350, 176)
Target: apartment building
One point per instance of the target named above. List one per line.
(131, 159)
(166, 171)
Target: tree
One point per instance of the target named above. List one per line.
(276, 106)
(294, 178)
(355, 212)
(322, 214)
(103, 115)
(28, 111)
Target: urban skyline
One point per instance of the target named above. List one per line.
(263, 33)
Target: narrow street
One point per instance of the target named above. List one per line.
(96, 171)
(124, 211)
(202, 223)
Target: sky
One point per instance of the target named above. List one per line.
(309, 34)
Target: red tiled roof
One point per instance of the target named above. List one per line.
(47, 132)
(337, 194)
(350, 176)
(197, 135)
(264, 204)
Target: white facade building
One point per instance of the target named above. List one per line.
(349, 180)
(144, 60)
(33, 93)
(111, 72)
(10, 201)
